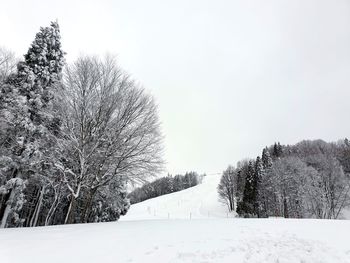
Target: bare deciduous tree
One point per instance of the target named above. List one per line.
(7, 63)
(111, 130)
(226, 187)
(328, 191)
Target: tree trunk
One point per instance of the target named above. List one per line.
(35, 208)
(7, 209)
(88, 205)
(52, 210)
(285, 208)
(4, 203)
(54, 205)
(69, 215)
(7, 196)
(7, 203)
(34, 220)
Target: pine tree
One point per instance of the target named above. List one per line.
(27, 120)
(277, 151)
(247, 206)
(266, 158)
(265, 183)
(259, 196)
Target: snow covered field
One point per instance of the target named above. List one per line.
(147, 235)
(200, 201)
(199, 240)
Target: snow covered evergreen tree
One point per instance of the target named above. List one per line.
(265, 183)
(266, 158)
(259, 198)
(277, 150)
(28, 123)
(247, 207)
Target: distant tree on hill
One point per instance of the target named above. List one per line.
(266, 158)
(308, 179)
(164, 185)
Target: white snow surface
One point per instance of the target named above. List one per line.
(200, 201)
(144, 237)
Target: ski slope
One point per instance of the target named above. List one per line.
(200, 201)
(147, 235)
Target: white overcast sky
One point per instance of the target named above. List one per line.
(230, 77)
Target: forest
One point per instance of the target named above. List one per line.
(310, 179)
(72, 136)
(164, 185)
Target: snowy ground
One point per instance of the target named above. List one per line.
(199, 240)
(203, 238)
(200, 201)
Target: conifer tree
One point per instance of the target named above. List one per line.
(27, 121)
(266, 158)
(265, 183)
(259, 196)
(277, 150)
(247, 206)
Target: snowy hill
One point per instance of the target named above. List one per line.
(200, 201)
(146, 235)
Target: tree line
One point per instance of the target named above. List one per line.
(71, 136)
(164, 185)
(310, 179)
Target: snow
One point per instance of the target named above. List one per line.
(197, 202)
(199, 240)
(144, 237)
